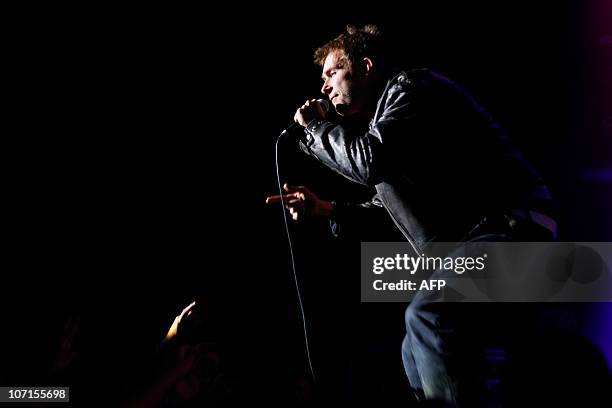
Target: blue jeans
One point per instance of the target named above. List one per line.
(443, 347)
(442, 357)
(443, 350)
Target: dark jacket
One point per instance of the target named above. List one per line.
(437, 159)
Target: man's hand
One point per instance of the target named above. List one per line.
(302, 203)
(312, 109)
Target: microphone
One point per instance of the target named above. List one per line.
(296, 126)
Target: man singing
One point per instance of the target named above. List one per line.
(442, 168)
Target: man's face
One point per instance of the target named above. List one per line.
(345, 86)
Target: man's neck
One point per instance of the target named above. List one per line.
(370, 108)
(359, 121)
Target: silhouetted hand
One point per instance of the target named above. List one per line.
(177, 320)
(66, 352)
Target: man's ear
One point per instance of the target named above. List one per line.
(368, 66)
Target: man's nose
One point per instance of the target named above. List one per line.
(326, 89)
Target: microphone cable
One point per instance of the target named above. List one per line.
(295, 278)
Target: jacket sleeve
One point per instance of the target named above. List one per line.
(364, 158)
(367, 221)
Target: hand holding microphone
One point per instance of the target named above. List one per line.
(312, 109)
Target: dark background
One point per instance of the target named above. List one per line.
(140, 149)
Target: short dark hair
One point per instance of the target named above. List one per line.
(356, 43)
